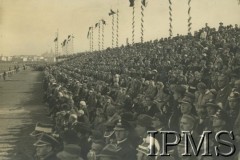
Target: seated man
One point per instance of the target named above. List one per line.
(46, 147)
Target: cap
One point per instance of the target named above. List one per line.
(144, 120)
(108, 130)
(234, 96)
(46, 139)
(42, 128)
(122, 125)
(189, 97)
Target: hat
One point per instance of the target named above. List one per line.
(234, 96)
(189, 97)
(110, 151)
(42, 128)
(46, 139)
(108, 130)
(122, 125)
(144, 120)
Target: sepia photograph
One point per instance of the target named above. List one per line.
(119, 80)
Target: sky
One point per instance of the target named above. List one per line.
(28, 27)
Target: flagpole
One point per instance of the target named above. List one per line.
(189, 17)
(117, 28)
(72, 45)
(67, 46)
(99, 32)
(112, 30)
(133, 22)
(92, 40)
(170, 18)
(103, 35)
(142, 22)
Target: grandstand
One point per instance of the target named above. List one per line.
(194, 75)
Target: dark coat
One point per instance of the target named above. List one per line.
(126, 151)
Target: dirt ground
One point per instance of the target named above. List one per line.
(21, 107)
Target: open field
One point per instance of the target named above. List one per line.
(21, 107)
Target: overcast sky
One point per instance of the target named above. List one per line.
(29, 26)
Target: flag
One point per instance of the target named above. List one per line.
(131, 3)
(144, 3)
(111, 12)
(64, 42)
(96, 25)
(89, 31)
(103, 22)
(55, 40)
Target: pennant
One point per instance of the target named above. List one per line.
(131, 3)
(88, 33)
(56, 39)
(103, 22)
(96, 25)
(144, 3)
(64, 42)
(111, 12)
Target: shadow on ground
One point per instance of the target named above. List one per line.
(24, 149)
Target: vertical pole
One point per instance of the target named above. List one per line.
(170, 18)
(117, 28)
(103, 36)
(92, 39)
(133, 23)
(189, 17)
(72, 45)
(99, 32)
(112, 30)
(142, 22)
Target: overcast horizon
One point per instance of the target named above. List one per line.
(29, 27)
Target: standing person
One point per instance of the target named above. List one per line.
(224, 91)
(124, 148)
(4, 75)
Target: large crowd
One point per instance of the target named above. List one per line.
(103, 103)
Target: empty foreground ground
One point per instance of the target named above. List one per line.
(21, 107)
